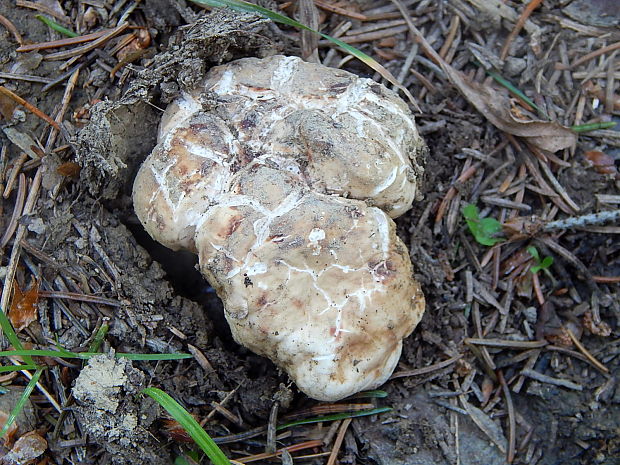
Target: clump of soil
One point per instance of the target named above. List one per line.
(112, 412)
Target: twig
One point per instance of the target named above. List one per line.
(28, 106)
(537, 289)
(581, 221)
(309, 15)
(62, 42)
(464, 176)
(606, 279)
(550, 380)
(43, 8)
(15, 251)
(41, 388)
(558, 187)
(367, 37)
(95, 299)
(529, 9)
(202, 360)
(586, 353)
(339, 11)
(338, 442)
(12, 29)
(17, 211)
(428, 369)
(293, 448)
(610, 100)
(510, 453)
(270, 447)
(87, 48)
(600, 51)
(13, 174)
(505, 343)
(224, 400)
(25, 77)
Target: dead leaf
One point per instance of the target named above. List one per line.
(23, 309)
(24, 142)
(27, 448)
(602, 163)
(8, 436)
(495, 106)
(69, 169)
(7, 107)
(175, 431)
(486, 424)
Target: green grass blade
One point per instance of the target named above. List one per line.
(376, 394)
(9, 332)
(86, 355)
(508, 85)
(199, 435)
(21, 402)
(593, 126)
(334, 417)
(152, 356)
(99, 337)
(8, 368)
(57, 27)
(247, 7)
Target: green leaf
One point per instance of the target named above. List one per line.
(483, 229)
(547, 262)
(543, 264)
(247, 7)
(22, 401)
(189, 424)
(533, 251)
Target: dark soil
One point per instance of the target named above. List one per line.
(82, 236)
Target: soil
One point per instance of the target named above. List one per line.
(82, 236)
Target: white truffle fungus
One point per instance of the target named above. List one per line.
(286, 188)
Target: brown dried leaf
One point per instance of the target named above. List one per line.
(23, 309)
(69, 169)
(27, 448)
(487, 425)
(495, 106)
(7, 107)
(24, 142)
(601, 162)
(8, 436)
(175, 431)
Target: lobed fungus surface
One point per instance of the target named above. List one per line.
(284, 176)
